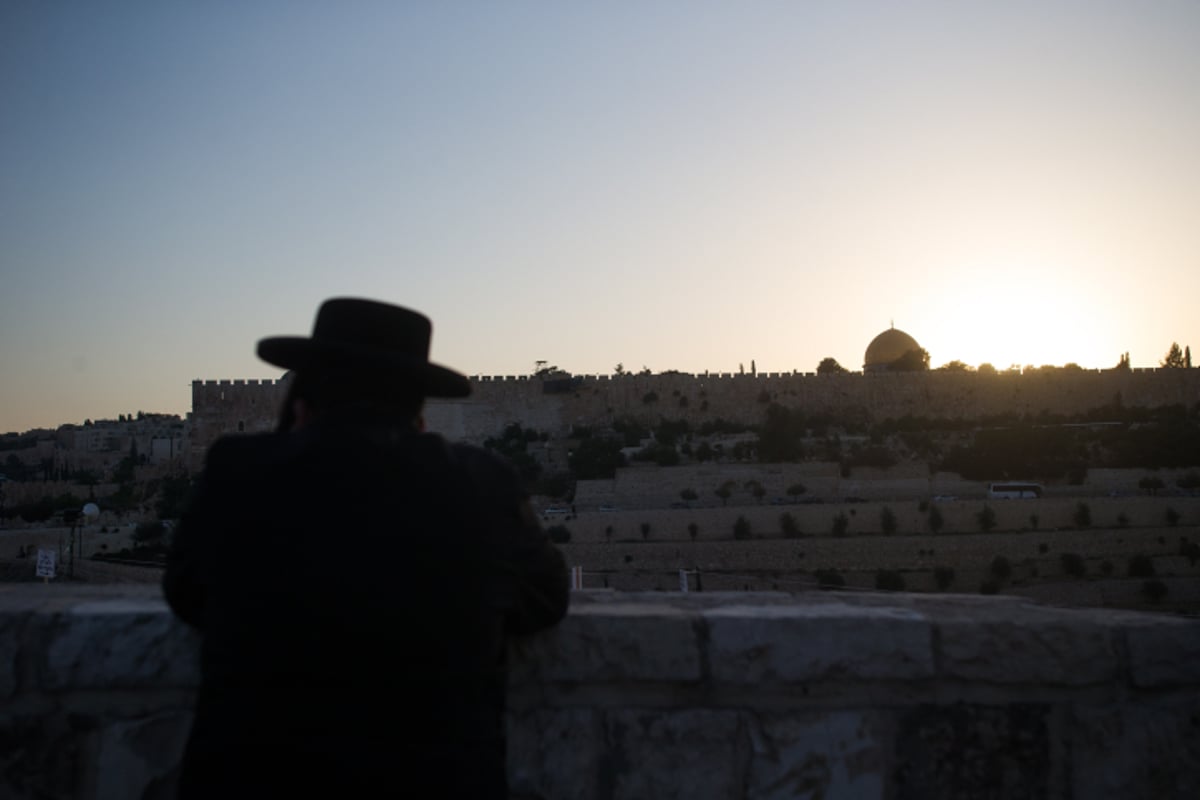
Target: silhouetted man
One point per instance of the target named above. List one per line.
(355, 581)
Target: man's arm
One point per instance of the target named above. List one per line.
(533, 581)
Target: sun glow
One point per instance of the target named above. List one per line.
(1023, 316)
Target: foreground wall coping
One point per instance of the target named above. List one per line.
(721, 695)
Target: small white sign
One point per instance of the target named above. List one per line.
(45, 563)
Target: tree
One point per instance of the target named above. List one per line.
(741, 528)
(1154, 590)
(788, 524)
(830, 366)
(889, 580)
(1187, 357)
(755, 488)
(596, 457)
(559, 534)
(1000, 568)
(645, 530)
(841, 524)
(724, 491)
(1174, 358)
(688, 495)
(887, 520)
(1123, 363)
(943, 577)
(619, 369)
(795, 490)
(915, 360)
(986, 518)
(955, 366)
(1073, 564)
(986, 369)
(693, 530)
(829, 578)
(1140, 566)
(936, 520)
(1083, 516)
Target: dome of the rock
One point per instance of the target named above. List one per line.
(886, 348)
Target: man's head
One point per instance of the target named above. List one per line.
(363, 353)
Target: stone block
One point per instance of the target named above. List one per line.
(752, 645)
(43, 755)
(966, 751)
(615, 643)
(574, 737)
(674, 754)
(115, 643)
(1164, 651)
(140, 757)
(1137, 752)
(11, 628)
(817, 755)
(1029, 646)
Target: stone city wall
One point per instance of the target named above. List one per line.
(722, 696)
(218, 406)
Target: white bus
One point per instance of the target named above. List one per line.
(1014, 490)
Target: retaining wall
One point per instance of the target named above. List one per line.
(684, 696)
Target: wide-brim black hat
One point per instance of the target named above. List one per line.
(354, 334)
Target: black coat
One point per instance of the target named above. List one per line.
(355, 587)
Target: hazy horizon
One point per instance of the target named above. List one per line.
(691, 186)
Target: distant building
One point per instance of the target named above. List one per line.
(886, 349)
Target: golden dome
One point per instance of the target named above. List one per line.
(886, 348)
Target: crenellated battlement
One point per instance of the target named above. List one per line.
(556, 404)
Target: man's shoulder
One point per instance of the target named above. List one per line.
(249, 451)
(485, 468)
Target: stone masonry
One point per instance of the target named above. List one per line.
(670, 695)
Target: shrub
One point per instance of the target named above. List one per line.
(1154, 590)
(1189, 550)
(1034, 521)
(936, 521)
(1172, 517)
(1122, 520)
(1083, 516)
(1140, 566)
(741, 528)
(1073, 564)
(645, 528)
(608, 533)
(1001, 568)
(841, 524)
(829, 578)
(788, 524)
(1043, 548)
(887, 520)
(693, 530)
(889, 580)
(989, 586)
(986, 517)
(1106, 567)
(943, 577)
(147, 532)
(559, 534)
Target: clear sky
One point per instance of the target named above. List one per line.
(679, 185)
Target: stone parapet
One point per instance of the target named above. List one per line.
(670, 695)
